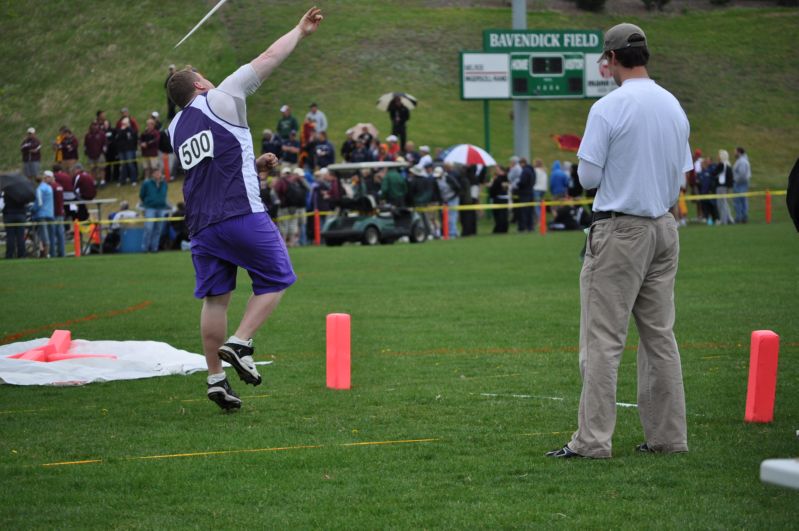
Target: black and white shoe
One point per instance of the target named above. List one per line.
(240, 358)
(563, 453)
(224, 397)
(644, 448)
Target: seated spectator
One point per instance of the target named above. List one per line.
(570, 217)
(114, 237)
(178, 230)
(393, 188)
(85, 189)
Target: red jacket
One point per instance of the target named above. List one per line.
(58, 199)
(149, 143)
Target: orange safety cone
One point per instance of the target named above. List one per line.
(762, 388)
(338, 351)
(768, 207)
(445, 223)
(542, 223)
(76, 233)
(165, 160)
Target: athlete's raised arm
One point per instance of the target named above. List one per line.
(266, 63)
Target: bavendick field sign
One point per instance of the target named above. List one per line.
(536, 64)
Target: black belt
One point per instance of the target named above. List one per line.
(598, 216)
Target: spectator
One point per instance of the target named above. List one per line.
(541, 184)
(67, 184)
(291, 148)
(153, 198)
(156, 117)
(449, 190)
(707, 185)
(271, 143)
(741, 175)
(85, 189)
(524, 189)
(399, 115)
(114, 237)
(43, 213)
(94, 146)
(125, 114)
(575, 188)
(179, 229)
(318, 118)
(15, 213)
(410, 154)
(558, 181)
(422, 190)
(348, 146)
(724, 180)
(326, 191)
(59, 154)
(393, 187)
(102, 121)
(291, 190)
(31, 149)
(514, 173)
(126, 143)
(165, 148)
(366, 137)
(498, 192)
(149, 141)
(170, 105)
(469, 181)
(693, 181)
(69, 149)
(424, 157)
(324, 153)
(361, 152)
(287, 123)
(392, 147)
(57, 229)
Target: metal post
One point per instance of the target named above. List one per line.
(521, 112)
(486, 125)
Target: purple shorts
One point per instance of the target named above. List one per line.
(251, 242)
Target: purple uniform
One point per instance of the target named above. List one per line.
(226, 219)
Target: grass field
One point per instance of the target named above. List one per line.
(734, 70)
(467, 349)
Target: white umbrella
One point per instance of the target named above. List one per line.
(407, 100)
(357, 130)
(467, 154)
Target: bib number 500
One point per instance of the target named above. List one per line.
(195, 149)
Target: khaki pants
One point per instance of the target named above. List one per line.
(630, 266)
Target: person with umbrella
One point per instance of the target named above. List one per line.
(18, 191)
(399, 114)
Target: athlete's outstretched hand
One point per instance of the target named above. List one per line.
(266, 162)
(310, 21)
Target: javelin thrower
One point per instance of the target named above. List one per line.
(227, 221)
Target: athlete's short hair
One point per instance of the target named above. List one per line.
(181, 87)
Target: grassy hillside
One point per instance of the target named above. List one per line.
(734, 70)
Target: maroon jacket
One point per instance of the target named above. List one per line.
(66, 183)
(29, 151)
(94, 142)
(149, 143)
(69, 148)
(58, 199)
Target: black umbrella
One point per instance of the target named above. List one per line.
(17, 188)
(792, 198)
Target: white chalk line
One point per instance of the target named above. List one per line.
(497, 395)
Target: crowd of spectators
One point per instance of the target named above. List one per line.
(122, 153)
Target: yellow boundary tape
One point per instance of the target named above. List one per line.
(433, 208)
(243, 451)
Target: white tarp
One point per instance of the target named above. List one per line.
(135, 359)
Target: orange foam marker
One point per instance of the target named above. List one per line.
(338, 351)
(762, 388)
(57, 349)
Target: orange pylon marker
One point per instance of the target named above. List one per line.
(445, 223)
(338, 351)
(761, 391)
(56, 350)
(768, 207)
(543, 221)
(317, 227)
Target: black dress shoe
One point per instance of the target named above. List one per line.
(644, 448)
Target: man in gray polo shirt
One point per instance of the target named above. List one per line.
(635, 153)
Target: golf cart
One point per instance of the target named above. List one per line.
(359, 217)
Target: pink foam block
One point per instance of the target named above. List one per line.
(338, 351)
(761, 391)
(65, 356)
(34, 355)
